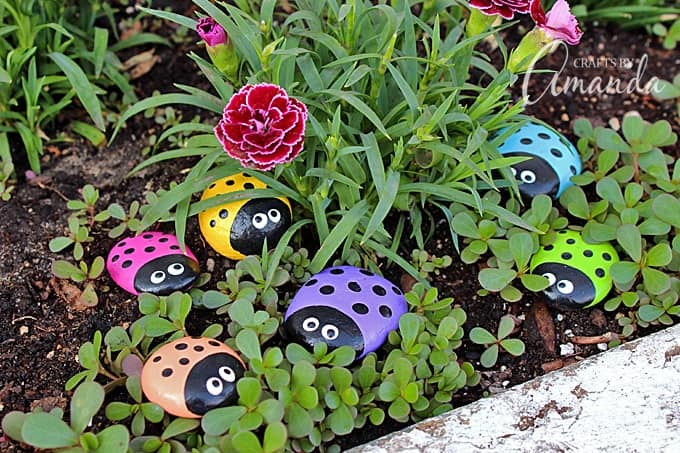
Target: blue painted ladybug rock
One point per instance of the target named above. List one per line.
(152, 263)
(554, 160)
(578, 272)
(345, 306)
(191, 375)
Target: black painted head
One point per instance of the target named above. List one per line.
(535, 176)
(569, 287)
(212, 383)
(166, 274)
(317, 324)
(258, 219)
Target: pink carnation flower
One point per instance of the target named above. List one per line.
(505, 8)
(559, 23)
(262, 126)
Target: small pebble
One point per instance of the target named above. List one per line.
(210, 264)
(560, 317)
(615, 124)
(569, 333)
(567, 349)
(602, 346)
(50, 355)
(506, 383)
(23, 330)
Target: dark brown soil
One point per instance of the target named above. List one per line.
(40, 333)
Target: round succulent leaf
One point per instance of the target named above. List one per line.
(629, 238)
(12, 424)
(152, 412)
(271, 409)
(480, 335)
(249, 391)
(650, 313)
(493, 279)
(388, 391)
(505, 326)
(43, 430)
(116, 411)
(245, 441)
(511, 294)
(489, 357)
(464, 225)
(276, 378)
(513, 346)
(533, 282)
(376, 416)
(275, 437)
(179, 426)
(656, 282)
(138, 424)
(667, 208)
(217, 421)
(86, 401)
(298, 421)
(624, 272)
(399, 410)
(411, 392)
(660, 255)
(341, 420)
(308, 397)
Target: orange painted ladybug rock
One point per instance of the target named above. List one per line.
(189, 376)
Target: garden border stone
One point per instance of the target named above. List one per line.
(625, 399)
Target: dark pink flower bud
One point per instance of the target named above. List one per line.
(211, 32)
(262, 126)
(504, 8)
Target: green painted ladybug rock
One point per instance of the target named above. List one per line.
(579, 273)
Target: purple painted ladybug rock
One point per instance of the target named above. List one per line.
(152, 262)
(345, 306)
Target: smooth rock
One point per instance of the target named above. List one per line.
(239, 228)
(553, 160)
(345, 306)
(152, 262)
(578, 272)
(189, 376)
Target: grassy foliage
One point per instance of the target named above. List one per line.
(392, 128)
(52, 53)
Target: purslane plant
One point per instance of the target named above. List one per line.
(389, 130)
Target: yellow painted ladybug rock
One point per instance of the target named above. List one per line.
(239, 228)
(189, 376)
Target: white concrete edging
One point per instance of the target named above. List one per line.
(626, 399)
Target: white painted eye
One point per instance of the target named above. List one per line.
(565, 287)
(310, 324)
(175, 269)
(330, 332)
(274, 215)
(551, 278)
(528, 177)
(260, 220)
(214, 386)
(227, 374)
(157, 277)
(514, 171)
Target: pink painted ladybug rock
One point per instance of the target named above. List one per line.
(191, 375)
(345, 306)
(152, 262)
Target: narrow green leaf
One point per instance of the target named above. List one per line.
(86, 92)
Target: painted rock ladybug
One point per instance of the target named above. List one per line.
(579, 273)
(345, 306)
(152, 262)
(554, 160)
(239, 228)
(189, 376)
